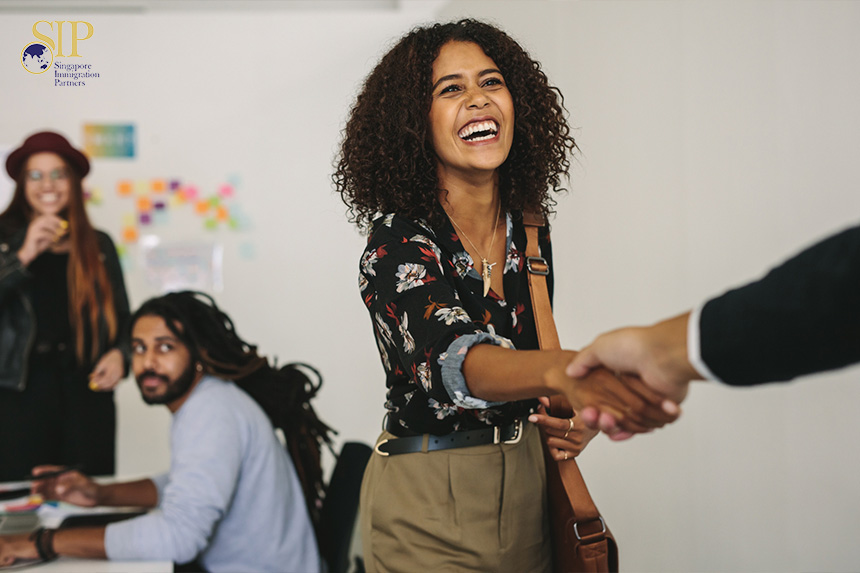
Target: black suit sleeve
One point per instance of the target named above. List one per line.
(802, 317)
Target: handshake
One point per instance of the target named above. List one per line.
(799, 319)
(652, 376)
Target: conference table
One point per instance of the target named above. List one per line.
(71, 564)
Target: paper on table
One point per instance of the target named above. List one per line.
(13, 523)
(17, 515)
(52, 515)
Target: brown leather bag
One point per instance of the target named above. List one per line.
(580, 539)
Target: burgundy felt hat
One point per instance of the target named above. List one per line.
(46, 141)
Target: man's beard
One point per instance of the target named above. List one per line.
(175, 388)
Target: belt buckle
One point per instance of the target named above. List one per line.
(518, 434)
(380, 452)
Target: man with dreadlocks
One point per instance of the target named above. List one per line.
(232, 500)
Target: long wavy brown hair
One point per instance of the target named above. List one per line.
(386, 162)
(90, 291)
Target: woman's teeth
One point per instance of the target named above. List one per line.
(479, 131)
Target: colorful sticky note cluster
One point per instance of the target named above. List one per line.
(154, 198)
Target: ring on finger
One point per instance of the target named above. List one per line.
(569, 428)
(565, 455)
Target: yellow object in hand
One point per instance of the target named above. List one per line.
(64, 228)
(94, 385)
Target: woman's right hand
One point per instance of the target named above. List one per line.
(71, 487)
(43, 231)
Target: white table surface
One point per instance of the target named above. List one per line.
(73, 565)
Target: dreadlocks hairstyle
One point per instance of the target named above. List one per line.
(387, 163)
(283, 393)
(90, 291)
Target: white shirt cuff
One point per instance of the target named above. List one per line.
(694, 349)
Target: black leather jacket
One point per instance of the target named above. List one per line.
(18, 320)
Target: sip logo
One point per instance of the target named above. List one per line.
(53, 38)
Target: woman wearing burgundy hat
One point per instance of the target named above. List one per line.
(63, 308)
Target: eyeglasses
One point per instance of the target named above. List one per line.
(58, 174)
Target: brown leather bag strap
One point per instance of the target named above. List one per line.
(538, 269)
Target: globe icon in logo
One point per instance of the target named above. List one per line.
(37, 58)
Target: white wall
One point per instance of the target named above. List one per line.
(717, 138)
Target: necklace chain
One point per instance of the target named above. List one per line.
(487, 267)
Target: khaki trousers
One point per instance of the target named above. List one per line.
(481, 508)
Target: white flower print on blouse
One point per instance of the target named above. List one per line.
(501, 340)
(362, 282)
(426, 226)
(426, 241)
(384, 330)
(452, 315)
(369, 259)
(461, 261)
(408, 341)
(388, 220)
(487, 416)
(442, 410)
(411, 275)
(434, 250)
(383, 353)
(423, 372)
(513, 261)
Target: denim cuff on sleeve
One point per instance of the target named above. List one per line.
(451, 362)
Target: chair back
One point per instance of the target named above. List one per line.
(340, 506)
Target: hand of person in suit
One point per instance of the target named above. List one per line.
(634, 407)
(656, 354)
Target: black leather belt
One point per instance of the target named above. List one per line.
(509, 434)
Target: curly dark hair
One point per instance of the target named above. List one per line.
(387, 163)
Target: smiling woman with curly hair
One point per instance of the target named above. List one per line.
(454, 136)
(387, 162)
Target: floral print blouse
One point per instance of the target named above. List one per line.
(427, 308)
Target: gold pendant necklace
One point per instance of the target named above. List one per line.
(486, 266)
